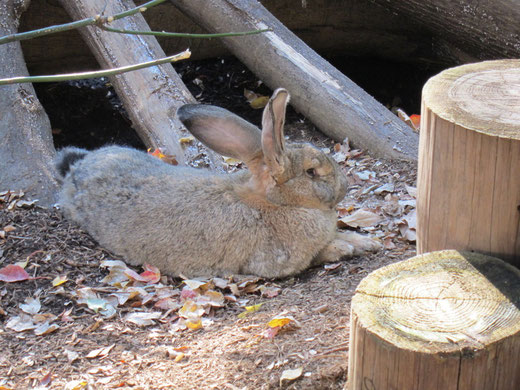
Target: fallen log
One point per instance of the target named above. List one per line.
(27, 149)
(466, 31)
(151, 96)
(469, 161)
(336, 105)
(443, 320)
(330, 28)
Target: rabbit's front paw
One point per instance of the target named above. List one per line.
(361, 243)
(334, 251)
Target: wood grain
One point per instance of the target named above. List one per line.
(443, 320)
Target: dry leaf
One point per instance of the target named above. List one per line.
(13, 273)
(143, 319)
(45, 328)
(31, 305)
(21, 323)
(249, 310)
(186, 140)
(59, 280)
(290, 375)
(361, 218)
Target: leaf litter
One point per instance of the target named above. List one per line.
(105, 319)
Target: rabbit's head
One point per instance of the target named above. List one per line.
(298, 175)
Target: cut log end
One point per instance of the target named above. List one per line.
(484, 97)
(446, 319)
(469, 157)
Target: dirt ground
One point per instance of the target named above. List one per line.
(86, 348)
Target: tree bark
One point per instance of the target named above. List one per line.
(469, 161)
(464, 29)
(336, 105)
(26, 146)
(444, 320)
(151, 96)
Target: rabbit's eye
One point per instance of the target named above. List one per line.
(311, 172)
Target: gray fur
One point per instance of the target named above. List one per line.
(196, 223)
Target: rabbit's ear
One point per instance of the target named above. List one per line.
(273, 143)
(222, 131)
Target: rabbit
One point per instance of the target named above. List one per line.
(275, 219)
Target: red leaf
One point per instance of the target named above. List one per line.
(13, 273)
(47, 379)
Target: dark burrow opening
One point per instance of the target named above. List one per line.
(88, 113)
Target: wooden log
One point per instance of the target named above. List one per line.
(330, 28)
(464, 30)
(336, 105)
(469, 165)
(151, 96)
(443, 320)
(26, 150)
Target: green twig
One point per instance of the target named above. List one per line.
(95, 20)
(184, 35)
(101, 73)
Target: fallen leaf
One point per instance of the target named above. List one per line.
(416, 120)
(142, 318)
(412, 191)
(13, 273)
(46, 380)
(191, 310)
(231, 161)
(96, 304)
(249, 310)
(179, 357)
(167, 158)
(269, 291)
(385, 188)
(59, 280)
(31, 305)
(45, 328)
(290, 375)
(279, 321)
(100, 352)
(360, 218)
(76, 385)
(71, 355)
(186, 140)
(259, 102)
(270, 333)
(21, 323)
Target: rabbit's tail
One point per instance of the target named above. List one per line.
(67, 157)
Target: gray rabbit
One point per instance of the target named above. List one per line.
(274, 220)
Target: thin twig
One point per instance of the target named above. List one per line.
(101, 73)
(98, 19)
(183, 35)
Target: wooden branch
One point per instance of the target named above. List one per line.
(469, 164)
(319, 91)
(26, 150)
(444, 320)
(466, 31)
(151, 96)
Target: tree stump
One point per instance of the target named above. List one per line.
(469, 161)
(444, 320)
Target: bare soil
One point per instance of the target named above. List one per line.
(229, 353)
